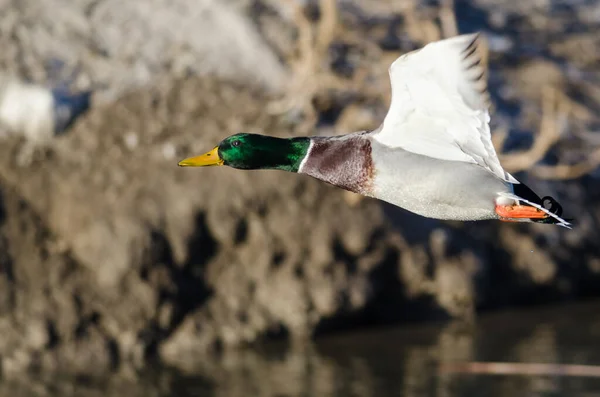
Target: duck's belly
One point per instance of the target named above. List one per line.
(437, 188)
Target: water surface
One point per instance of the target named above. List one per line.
(403, 361)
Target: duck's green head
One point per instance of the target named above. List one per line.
(253, 151)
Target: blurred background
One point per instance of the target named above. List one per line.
(122, 273)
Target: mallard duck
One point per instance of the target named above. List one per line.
(432, 155)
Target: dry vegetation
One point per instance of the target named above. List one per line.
(315, 85)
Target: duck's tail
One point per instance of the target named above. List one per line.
(549, 210)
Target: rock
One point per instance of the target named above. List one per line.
(207, 37)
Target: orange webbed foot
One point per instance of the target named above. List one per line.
(507, 212)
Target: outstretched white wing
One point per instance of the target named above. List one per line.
(440, 103)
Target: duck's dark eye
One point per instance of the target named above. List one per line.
(236, 143)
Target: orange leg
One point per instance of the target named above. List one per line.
(519, 211)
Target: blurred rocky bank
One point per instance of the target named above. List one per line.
(110, 254)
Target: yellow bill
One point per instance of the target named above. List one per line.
(204, 160)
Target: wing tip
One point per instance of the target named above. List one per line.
(472, 38)
(474, 57)
(472, 51)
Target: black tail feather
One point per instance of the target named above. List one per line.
(553, 206)
(546, 202)
(522, 190)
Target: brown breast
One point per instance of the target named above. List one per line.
(344, 162)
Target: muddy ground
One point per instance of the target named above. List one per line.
(111, 255)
